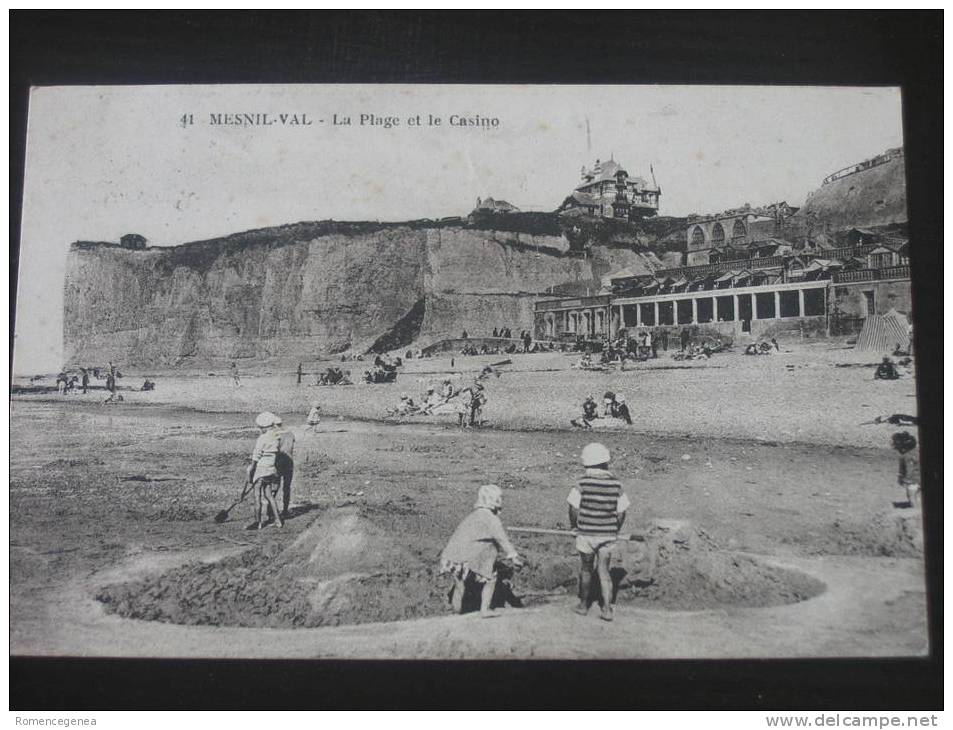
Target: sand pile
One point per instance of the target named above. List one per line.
(689, 571)
(346, 568)
(676, 566)
(897, 533)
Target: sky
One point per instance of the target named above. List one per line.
(105, 161)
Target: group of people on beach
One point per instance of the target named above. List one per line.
(613, 407)
(466, 403)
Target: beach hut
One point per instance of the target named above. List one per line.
(884, 332)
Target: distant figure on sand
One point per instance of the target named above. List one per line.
(474, 548)
(621, 410)
(886, 370)
(590, 412)
(477, 401)
(597, 509)
(908, 473)
(234, 374)
(314, 416)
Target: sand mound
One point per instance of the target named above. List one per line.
(897, 533)
(345, 542)
(678, 566)
(345, 568)
(689, 571)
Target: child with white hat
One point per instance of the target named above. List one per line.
(597, 509)
(262, 472)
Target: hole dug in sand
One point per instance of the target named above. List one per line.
(347, 569)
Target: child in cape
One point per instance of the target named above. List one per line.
(474, 548)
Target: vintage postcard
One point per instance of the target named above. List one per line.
(465, 372)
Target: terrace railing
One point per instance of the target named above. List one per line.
(895, 272)
(847, 277)
(844, 252)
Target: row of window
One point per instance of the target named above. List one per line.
(761, 305)
(722, 309)
(699, 238)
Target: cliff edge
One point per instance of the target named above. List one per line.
(300, 292)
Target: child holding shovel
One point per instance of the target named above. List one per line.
(596, 512)
(262, 472)
(475, 546)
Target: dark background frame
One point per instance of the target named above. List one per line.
(789, 48)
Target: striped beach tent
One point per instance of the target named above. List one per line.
(883, 332)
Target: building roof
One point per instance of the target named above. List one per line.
(606, 171)
(500, 206)
(622, 274)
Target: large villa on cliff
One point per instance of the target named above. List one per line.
(608, 191)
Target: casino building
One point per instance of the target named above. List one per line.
(764, 290)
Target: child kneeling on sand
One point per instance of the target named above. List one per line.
(262, 472)
(596, 512)
(475, 546)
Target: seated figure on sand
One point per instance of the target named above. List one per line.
(886, 370)
(590, 412)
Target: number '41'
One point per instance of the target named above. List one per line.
(186, 120)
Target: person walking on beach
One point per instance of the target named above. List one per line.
(234, 374)
(908, 473)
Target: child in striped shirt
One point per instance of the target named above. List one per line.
(597, 509)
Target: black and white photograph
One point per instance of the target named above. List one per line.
(465, 373)
(455, 387)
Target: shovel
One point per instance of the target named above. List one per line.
(631, 537)
(223, 515)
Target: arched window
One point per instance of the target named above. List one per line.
(698, 237)
(738, 229)
(717, 234)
